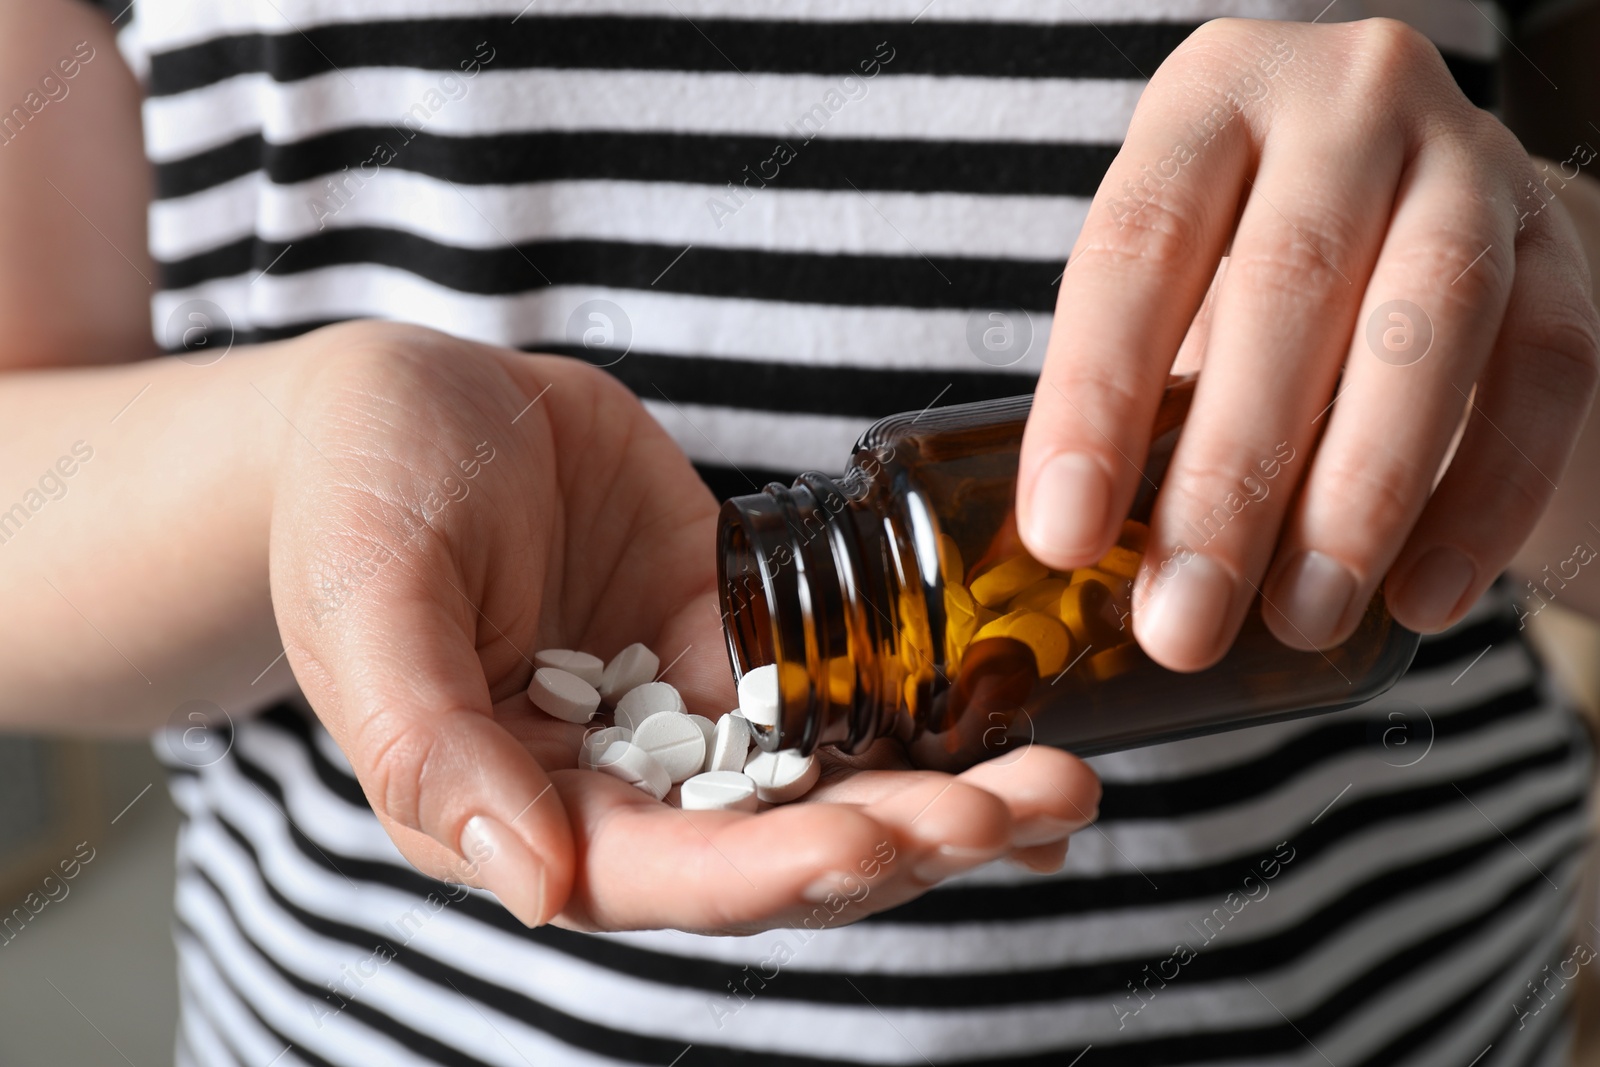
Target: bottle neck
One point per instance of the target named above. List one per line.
(807, 583)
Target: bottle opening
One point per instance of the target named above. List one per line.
(746, 610)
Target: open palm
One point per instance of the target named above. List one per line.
(457, 507)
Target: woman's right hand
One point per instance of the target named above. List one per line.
(443, 510)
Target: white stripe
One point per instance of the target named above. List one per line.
(1419, 995)
(668, 213)
(814, 335)
(824, 1030)
(1302, 887)
(586, 991)
(1484, 1021)
(166, 24)
(208, 998)
(1411, 712)
(913, 106)
(197, 1028)
(1301, 986)
(732, 436)
(1095, 936)
(285, 1008)
(1264, 819)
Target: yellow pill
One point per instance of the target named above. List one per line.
(951, 569)
(1006, 579)
(1040, 596)
(841, 680)
(1086, 609)
(1044, 635)
(1103, 666)
(1122, 562)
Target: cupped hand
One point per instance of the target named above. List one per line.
(1384, 238)
(449, 508)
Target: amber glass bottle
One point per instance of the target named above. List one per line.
(897, 601)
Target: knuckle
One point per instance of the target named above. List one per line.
(1101, 402)
(1393, 50)
(1374, 496)
(1143, 230)
(1465, 267)
(1565, 344)
(392, 753)
(1515, 490)
(1302, 265)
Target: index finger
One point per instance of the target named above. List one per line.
(1135, 279)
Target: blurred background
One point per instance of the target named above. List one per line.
(86, 959)
(87, 968)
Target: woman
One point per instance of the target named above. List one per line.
(773, 226)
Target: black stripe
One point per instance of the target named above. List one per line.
(1449, 1017)
(1105, 978)
(534, 1013)
(848, 390)
(1464, 642)
(415, 1042)
(1031, 900)
(1332, 738)
(718, 46)
(199, 943)
(1446, 1018)
(982, 167)
(708, 45)
(1560, 1026)
(806, 277)
(1384, 973)
(335, 779)
(725, 482)
(1131, 890)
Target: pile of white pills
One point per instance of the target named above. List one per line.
(655, 744)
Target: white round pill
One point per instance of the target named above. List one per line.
(783, 776)
(719, 791)
(675, 742)
(589, 668)
(730, 743)
(597, 741)
(632, 764)
(758, 695)
(566, 696)
(641, 702)
(707, 728)
(628, 669)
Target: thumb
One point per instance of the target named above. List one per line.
(399, 684)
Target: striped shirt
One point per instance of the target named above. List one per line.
(777, 224)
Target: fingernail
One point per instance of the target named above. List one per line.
(1070, 499)
(948, 860)
(837, 884)
(506, 867)
(1181, 620)
(1437, 581)
(1313, 594)
(1044, 829)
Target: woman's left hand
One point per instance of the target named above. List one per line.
(1374, 222)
